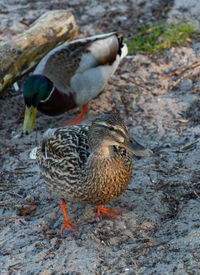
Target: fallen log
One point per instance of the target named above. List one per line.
(20, 54)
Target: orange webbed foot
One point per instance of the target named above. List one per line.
(69, 225)
(78, 119)
(109, 212)
(66, 222)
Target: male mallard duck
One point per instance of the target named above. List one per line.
(89, 164)
(71, 75)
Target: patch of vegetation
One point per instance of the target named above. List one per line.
(158, 37)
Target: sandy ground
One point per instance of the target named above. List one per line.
(159, 231)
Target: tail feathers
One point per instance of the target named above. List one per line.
(33, 153)
(107, 49)
(48, 134)
(124, 50)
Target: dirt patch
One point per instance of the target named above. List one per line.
(159, 231)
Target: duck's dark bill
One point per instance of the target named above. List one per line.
(29, 119)
(137, 149)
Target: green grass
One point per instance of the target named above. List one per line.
(157, 37)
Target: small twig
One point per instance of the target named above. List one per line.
(181, 209)
(185, 73)
(158, 187)
(178, 71)
(183, 76)
(20, 172)
(4, 189)
(196, 194)
(9, 184)
(4, 218)
(188, 146)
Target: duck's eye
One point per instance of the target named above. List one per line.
(111, 128)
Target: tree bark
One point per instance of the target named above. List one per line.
(20, 54)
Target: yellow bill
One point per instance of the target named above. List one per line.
(29, 119)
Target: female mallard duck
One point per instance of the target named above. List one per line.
(90, 165)
(70, 76)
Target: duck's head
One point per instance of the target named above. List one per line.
(107, 131)
(36, 89)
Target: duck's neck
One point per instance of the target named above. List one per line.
(104, 151)
(57, 103)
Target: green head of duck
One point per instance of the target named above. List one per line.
(36, 89)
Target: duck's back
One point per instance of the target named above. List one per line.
(62, 156)
(82, 67)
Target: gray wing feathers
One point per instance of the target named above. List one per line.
(83, 66)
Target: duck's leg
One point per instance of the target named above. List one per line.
(79, 118)
(101, 210)
(66, 222)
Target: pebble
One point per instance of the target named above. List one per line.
(186, 84)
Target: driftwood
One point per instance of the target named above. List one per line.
(22, 53)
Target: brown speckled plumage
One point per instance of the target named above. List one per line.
(88, 164)
(70, 173)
